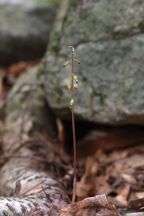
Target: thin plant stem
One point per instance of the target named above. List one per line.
(74, 134)
(71, 88)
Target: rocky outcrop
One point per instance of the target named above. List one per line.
(24, 29)
(109, 42)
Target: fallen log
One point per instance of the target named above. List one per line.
(25, 187)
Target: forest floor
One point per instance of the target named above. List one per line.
(110, 162)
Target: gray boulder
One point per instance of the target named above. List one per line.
(109, 41)
(24, 29)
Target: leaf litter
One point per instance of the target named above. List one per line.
(118, 175)
(97, 205)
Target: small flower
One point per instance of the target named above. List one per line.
(67, 63)
(75, 86)
(77, 61)
(71, 102)
(76, 79)
(69, 46)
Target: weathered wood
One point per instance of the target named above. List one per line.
(26, 112)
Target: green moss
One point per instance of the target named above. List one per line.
(84, 79)
(59, 91)
(65, 18)
(74, 3)
(141, 26)
(55, 42)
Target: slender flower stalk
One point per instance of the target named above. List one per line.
(73, 130)
(71, 87)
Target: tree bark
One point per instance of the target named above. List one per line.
(37, 191)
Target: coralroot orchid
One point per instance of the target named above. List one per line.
(71, 87)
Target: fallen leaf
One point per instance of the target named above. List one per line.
(88, 179)
(92, 206)
(136, 204)
(20, 67)
(109, 139)
(139, 195)
(27, 126)
(129, 178)
(119, 175)
(122, 197)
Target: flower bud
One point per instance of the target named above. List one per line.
(71, 102)
(67, 63)
(77, 61)
(75, 86)
(75, 77)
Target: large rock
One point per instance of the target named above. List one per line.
(109, 41)
(24, 29)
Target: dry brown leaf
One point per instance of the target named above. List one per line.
(136, 204)
(119, 175)
(129, 178)
(122, 197)
(92, 206)
(87, 182)
(27, 126)
(20, 67)
(139, 195)
(61, 136)
(61, 131)
(109, 139)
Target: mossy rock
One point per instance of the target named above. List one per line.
(109, 42)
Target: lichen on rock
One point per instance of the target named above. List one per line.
(109, 42)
